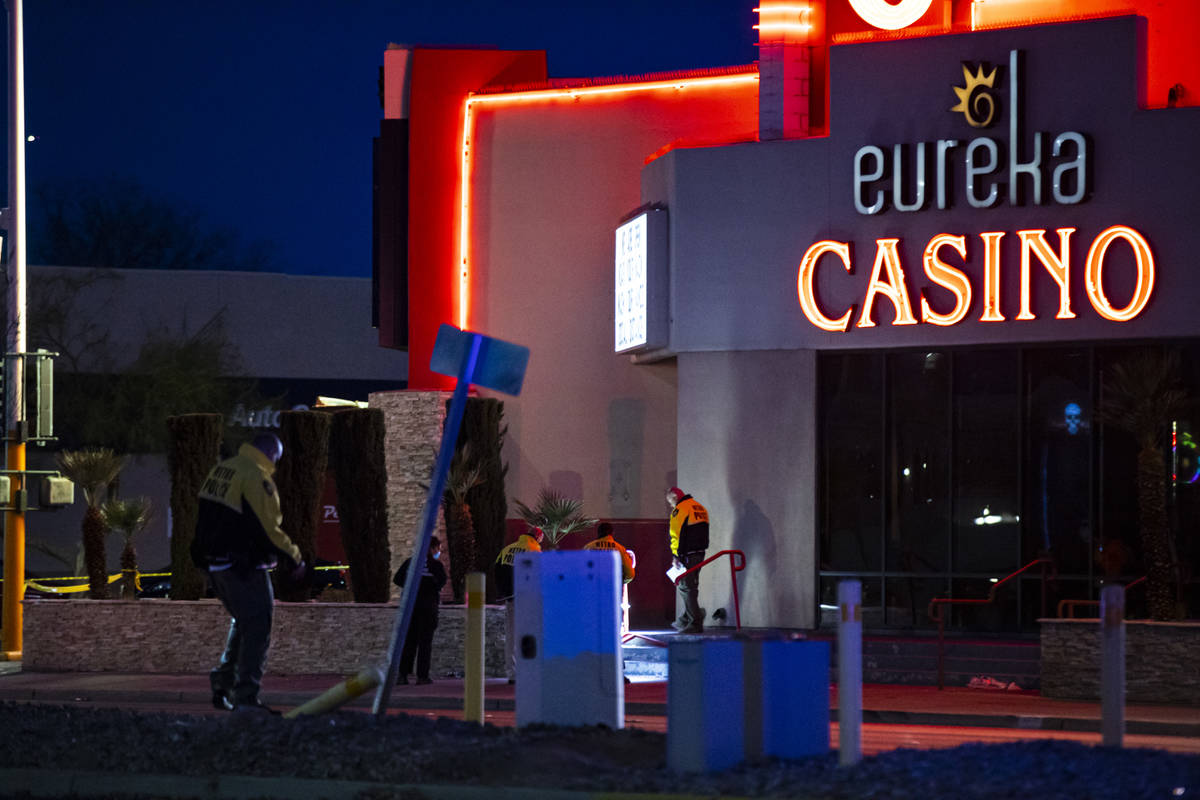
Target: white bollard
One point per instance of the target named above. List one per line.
(849, 673)
(1112, 665)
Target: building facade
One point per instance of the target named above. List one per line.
(892, 268)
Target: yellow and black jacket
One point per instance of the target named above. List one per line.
(504, 563)
(689, 527)
(609, 543)
(239, 522)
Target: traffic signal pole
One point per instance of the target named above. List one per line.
(14, 383)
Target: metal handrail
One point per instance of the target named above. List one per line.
(1069, 604)
(737, 563)
(936, 603)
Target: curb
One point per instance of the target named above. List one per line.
(58, 784)
(436, 703)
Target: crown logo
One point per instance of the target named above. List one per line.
(975, 99)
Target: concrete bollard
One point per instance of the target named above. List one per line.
(473, 648)
(849, 673)
(779, 687)
(705, 705)
(1112, 666)
(795, 692)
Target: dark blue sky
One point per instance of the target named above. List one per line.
(259, 114)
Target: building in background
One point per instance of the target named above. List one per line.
(883, 274)
(296, 337)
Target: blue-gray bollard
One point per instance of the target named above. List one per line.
(705, 711)
(795, 680)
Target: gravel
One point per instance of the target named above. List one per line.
(401, 749)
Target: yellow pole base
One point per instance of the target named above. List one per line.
(10, 655)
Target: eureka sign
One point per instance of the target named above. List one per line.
(1058, 173)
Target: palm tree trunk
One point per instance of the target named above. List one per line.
(1156, 533)
(460, 536)
(93, 554)
(129, 571)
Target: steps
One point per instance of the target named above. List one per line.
(890, 659)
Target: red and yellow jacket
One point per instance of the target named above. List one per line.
(609, 543)
(689, 527)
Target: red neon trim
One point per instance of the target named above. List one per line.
(462, 288)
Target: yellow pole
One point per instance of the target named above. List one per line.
(14, 558)
(14, 387)
(473, 646)
(366, 679)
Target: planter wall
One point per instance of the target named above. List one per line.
(178, 636)
(412, 424)
(1161, 660)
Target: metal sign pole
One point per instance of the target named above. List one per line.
(437, 486)
(471, 358)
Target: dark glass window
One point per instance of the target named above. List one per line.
(945, 472)
(918, 462)
(1058, 457)
(986, 488)
(852, 426)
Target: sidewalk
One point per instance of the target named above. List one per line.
(882, 703)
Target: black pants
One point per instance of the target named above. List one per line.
(250, 600)
(418, 644)
(689, 591)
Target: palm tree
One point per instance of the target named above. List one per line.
(93, 471)
(466, 472)
(556, 515)
(1141, 395)
(129, 518)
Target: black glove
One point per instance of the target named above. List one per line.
(299, 572)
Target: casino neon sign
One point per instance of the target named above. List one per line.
(887, 281)
(890, 15)
(879, 185)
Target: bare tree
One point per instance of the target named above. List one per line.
(117, 223)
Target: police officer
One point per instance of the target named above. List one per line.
(604, 541)
(238, 539)
(526, 543)
(418, 642)
(689, 540)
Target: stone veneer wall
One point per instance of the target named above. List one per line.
(176, 636)
(413, 431)
(1161, 660)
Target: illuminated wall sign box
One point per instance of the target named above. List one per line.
(774, 243)
(640, 282)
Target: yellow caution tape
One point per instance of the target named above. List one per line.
(39, 584)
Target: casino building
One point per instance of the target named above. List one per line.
(865, 299)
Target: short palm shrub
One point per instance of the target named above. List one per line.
(93, 470)
(128, 518)
(558, 517)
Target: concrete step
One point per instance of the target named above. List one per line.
(894, 660)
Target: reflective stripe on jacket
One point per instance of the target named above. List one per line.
(609, 543)
(504, 563)
(239, 520)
